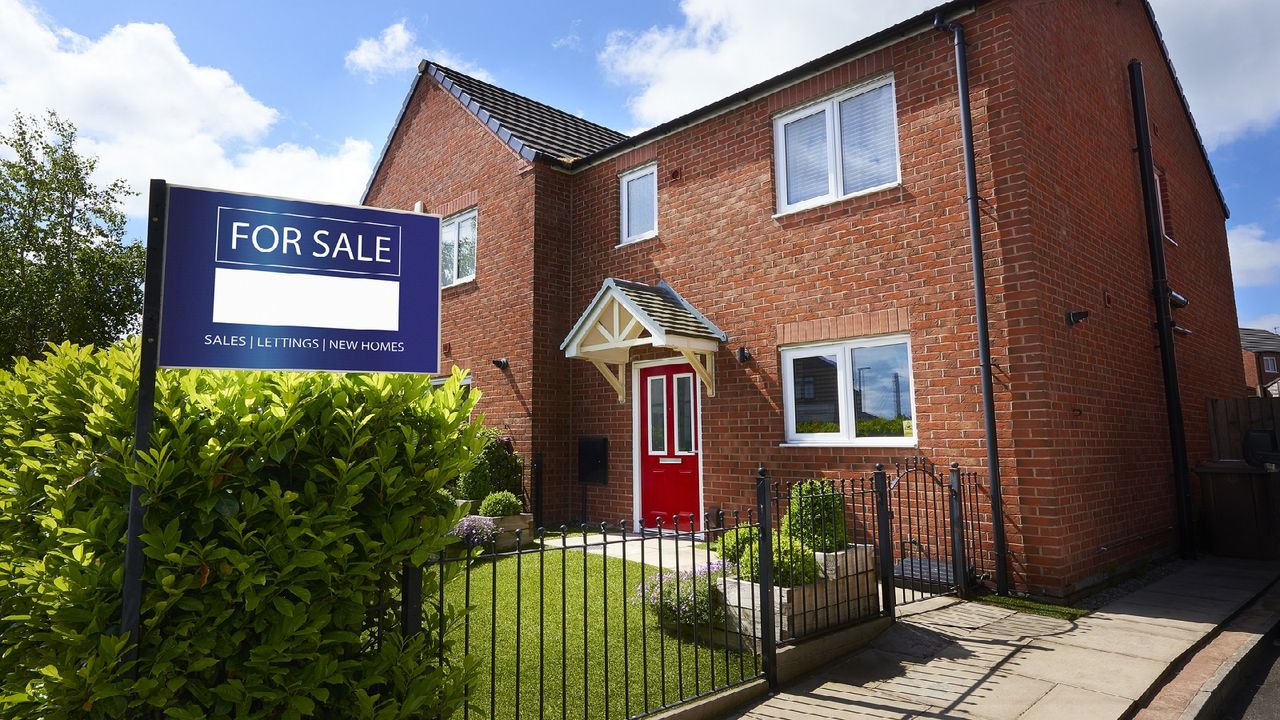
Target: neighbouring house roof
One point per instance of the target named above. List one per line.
(538, 131)
(1255, 340)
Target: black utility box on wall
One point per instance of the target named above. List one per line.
(593, 460)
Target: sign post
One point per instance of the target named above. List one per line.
(247, 282)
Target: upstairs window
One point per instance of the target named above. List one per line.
(1269, 364)
(458, 248)
(856, 392)
(639, 201)
(843, 146)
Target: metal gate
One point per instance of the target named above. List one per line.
(931, 537)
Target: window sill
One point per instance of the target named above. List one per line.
(867, 443)
(463, 283)
(635, 240)
(832, 201)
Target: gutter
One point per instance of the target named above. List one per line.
(980, 303)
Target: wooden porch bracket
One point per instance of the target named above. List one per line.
(706, 370)
(616, 378)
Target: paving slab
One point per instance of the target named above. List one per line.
(1071, 703)
(1100, 671)
(969, 660)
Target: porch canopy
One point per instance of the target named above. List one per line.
(628, 314)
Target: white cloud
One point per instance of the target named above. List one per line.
(147, 111)
(726, 45)
(571, 40)
(1270, 322)
(1224, 52)
(392, 51)
(396, 50)
(1226, 58)
(1255, 258)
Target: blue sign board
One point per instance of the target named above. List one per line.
(259, 283)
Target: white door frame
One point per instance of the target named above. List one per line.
(635, 435)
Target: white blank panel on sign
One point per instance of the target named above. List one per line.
(253, 297)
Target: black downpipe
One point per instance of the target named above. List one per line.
(1164, 319)
(980, 301)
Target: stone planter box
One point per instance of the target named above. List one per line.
(846, 593)
(507, 526)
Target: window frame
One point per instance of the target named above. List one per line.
(835, 167)
(624, 208)
(847, 436)
(1270, 364)
(455, 219)
(661, 380)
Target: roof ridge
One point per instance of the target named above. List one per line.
(526, 98)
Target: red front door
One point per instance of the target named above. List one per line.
(669, 446)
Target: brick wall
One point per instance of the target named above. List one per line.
(897, 259)
(1081, 418)
(442, 155)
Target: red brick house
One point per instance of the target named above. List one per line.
(783, 277)
(1261, 353)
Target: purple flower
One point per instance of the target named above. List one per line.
(475, 530)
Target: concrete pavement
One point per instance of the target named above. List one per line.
(968, 660)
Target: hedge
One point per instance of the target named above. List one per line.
(280, 509)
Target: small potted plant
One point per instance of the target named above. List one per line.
(506, 512)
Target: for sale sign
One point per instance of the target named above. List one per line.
(253, 282)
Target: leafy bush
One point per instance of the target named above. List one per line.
(735, 543)
(475, 530)
(690, 598)
(498, 468)
(882, 427)
(280, 508)
(817, 426)
(503, 502)
(793, 563)
(815, 516)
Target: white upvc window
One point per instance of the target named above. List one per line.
(841, 146)
(638, 197)
(849, 393)
(1269, 364)
(458, 248)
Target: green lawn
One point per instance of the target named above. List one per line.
(566, 668)
(1035, 607)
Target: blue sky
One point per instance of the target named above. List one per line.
(296, 98)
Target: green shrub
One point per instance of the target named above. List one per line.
(498, 468)
(882, 427)
(502, 502)
(817, 426)
(735, 543)
(815, 516)
(280, 508)
(793, 563)
(689, 599)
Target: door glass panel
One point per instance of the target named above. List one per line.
(657, 415)
(816, 391)
(882, 391)
(684, 413)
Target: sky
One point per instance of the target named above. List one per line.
(296, 98)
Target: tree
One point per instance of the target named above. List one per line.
(65, 272)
